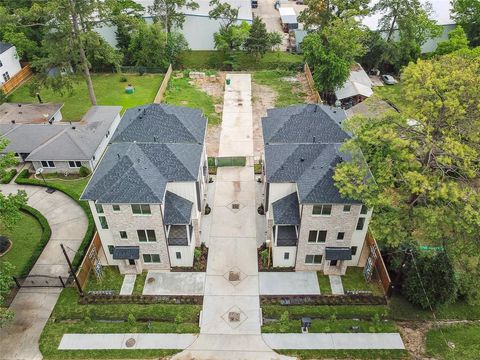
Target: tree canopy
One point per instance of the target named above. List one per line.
(320, 12)
(467, 14)
(424, 162)
(258, 41)
(169, 12)
(457, 40)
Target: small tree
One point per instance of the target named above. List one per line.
(274, 40)
(457, 40)
(430, 281)
(467, 14)
(257, 42)
(169, 12)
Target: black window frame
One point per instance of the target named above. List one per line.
(110, 249)
(147, 234)
(364, 210)
(360, 223)
(122, 232)
(286, 255)
(354, 250)
(48, 164)
(99, 208)
(141, 209)
(341, 235)
(349, 208)
(313, 258)
(178, 255)
(103, 222)
(115, 208)
(76, 164)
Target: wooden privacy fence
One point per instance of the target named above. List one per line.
(375, 263)
(89, 261)
(17, 79)
(163, 86)
(311, 83)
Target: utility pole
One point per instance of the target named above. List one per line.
(80, 291)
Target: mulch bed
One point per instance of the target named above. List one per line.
(262, 267)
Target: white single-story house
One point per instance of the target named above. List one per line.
(61, 147)
(9, 62)
(24, 113)
(357, 88)
(441, 13)
(198, 27)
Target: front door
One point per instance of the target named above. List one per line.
(131, 262)
(333, 263)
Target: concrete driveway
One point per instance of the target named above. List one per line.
(33, 306)
(174, 283)
(289, 283)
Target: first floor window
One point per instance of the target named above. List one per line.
(6, 76)
(286, 256)
(341, 235)
(322, 209)
(75, 164)
(178, 255)
(141, 209)
(315, 236)
(48, 164)
(360, 223)
(103, 222)
(353, 249)
(146, 235)
(123, 235)
(313, 259)
(110, 249)
(151, 258)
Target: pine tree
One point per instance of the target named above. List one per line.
(257, 42)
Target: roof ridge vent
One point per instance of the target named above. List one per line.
(302, 159)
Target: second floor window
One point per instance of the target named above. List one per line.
(364, 210)
(317, 236)
(141, 209)
(360, 223)
(103, 222)
(99, 208)
(146, 235)
(322, 209)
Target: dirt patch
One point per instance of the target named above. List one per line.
(309, 98)
(263, 99)
(214, 87)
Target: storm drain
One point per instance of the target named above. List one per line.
(234, 276)
(234, 316)
(130, 342)
(236, 206)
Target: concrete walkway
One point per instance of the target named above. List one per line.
(334, 341)
(336, 284)
(33, 306)
(174, 283)
(289, 283)
(231, 316)
(128, 284)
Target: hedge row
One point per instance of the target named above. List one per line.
(23, 179)
(8, 176)
(46, 233)
(292, 300)
(101, 299)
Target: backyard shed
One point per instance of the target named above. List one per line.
(288, 18)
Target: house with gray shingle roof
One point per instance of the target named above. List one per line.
(310, 225)
(149, 189)
(62, 147)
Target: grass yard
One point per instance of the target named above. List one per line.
(465, 338)
(139, 283)
(181, 93)
(288, 92)
(324, 283)
(108, 89)
(25, 237)
(75, 187)
(111, 280)
(392, 94)
(330, 326)
(346, 354)
(354, 280)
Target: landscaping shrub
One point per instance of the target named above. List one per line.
(123, 79)
(23, 178)
(84, 171)
(8, 176)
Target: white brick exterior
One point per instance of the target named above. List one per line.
(10, 63)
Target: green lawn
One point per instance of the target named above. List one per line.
(392, 94)
(288, 92)
(346, 354)
(25, 236)
(108, 89)
(354, 280)
(111, 280)
(181, 93)
(75, 187)
(324, 283)
(139, 283)
(330, 326)
(465, 338)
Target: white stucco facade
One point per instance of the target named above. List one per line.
(9, 64)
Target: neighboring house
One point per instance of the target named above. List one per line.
(60, 147)
(299, 35)
(24, 113)
(357, 88)
(198, 27)
(148, 192)
(311, 227)
(9, 63)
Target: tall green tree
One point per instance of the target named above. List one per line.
(407, 26)
(425, 163)
(331, 51)
(170, 13)
(457, 40)
(320, 12)
(257, 42)
(467, 14)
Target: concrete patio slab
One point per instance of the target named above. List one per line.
(220, 285)
(118, 341)
(334, 341)
(174, 283)
(336, 284)
(128, 284)
(289, 283)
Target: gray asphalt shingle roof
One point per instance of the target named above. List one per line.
(286, 210)
(178, 210)
(4, 46)
(338, 253)
(126, 253)
(138, 173)
(161, 123)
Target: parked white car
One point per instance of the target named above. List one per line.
(389, 79)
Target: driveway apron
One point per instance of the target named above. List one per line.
(33, 306)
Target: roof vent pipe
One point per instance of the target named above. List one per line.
(118, 156)
(302, 159)
(13, 121)
(314, 138)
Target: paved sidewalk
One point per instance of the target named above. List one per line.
(33, 306)
(128, 284)
(334, 341)
(119, 341)
(289, 283)
(336, 284)
(174, 283)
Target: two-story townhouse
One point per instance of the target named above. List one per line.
(310, 225)
(148, 190)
